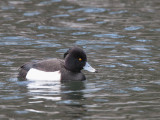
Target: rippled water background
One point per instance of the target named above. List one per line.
(121, 39)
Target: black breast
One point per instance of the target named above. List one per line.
(67, 75)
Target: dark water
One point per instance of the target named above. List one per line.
(121, 39)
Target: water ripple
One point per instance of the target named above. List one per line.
(94, 10)
(7, 7)
(118, 12)
(101, 22)
(66, 7)
(109, 35)
(80, 33)
(138, 89)
(9, 63)
(132, 28)
(124, 65)
(42, 27)
(81, 19)
(47, 2)
(48, 45)
(15, 40)
(158, 30)
(61, 15)
(139, 47)
(68, 102)
(85, 42)
(89, 10)
(108, 66)
(30, 14)
(143, 40)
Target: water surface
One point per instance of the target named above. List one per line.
(121, 39)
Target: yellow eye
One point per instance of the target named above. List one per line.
(80, 59)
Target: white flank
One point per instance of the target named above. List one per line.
(34, 74)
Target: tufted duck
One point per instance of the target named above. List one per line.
(70, 68)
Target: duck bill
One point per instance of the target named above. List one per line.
(89, 68)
